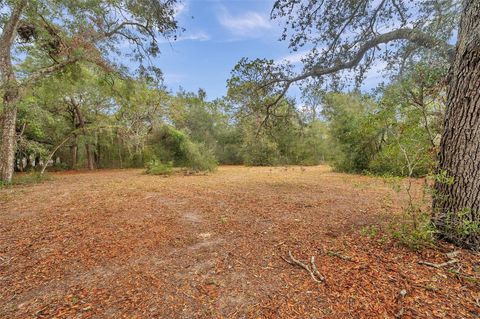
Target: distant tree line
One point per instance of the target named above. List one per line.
(91, 119)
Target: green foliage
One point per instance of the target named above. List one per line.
(461, 226)
(396, 134)
(355, 135)
(155, 167)
(443, 178)
(198, 158)
(26, 179)
(416, 235)
(260, 151)
(370, 231)
(171, 145)
(414, 229)
(313, 147)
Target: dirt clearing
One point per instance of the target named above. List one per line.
(121, 244)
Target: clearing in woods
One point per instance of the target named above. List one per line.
(121, 244)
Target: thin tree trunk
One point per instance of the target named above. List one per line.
(98, 155)
(119, 144)
(28, 165)
(11, 93)
(7, 152)
(74, 152)
(89, 154)
(81, 123)
(97, 151)
(456, 205)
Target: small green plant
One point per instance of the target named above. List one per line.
(370, 231)
(155, 167)
(443, 178)
(462, 225)
(415, 235)
(415, 230)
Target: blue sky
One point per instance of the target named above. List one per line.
(219, 33)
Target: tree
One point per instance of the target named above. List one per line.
(344, 35)
(456, 205)
(52, 35)
(350, 125)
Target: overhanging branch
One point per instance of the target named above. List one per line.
(414, 36)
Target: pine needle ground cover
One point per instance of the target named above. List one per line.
(123, 244)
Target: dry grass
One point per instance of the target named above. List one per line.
(121, 244)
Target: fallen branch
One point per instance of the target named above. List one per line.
(450, 262)
(335, 254)
(312, 270)
(315, 270)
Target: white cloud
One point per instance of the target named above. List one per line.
(293, 58)
(244, 24)
(196, 36)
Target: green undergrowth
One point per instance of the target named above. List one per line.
(26, 179)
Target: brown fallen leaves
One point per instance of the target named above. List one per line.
(120, 244)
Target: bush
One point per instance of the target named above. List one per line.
(415, 235)
(260, 152)
(169, 145)
(155, 167)
(198, 158)
(58, 167)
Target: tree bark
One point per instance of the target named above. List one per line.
(11, 94)
(456, 204)
(81, 123)
(89, 154)
(73, 152)
(7, 153)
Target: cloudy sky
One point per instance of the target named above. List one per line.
(219, 33)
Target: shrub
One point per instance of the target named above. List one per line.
(198, 158)
(260, 152)
(155, 167)
(169, 145)
(415, 235)
(58, 167)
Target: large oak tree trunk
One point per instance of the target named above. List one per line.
(456, 205)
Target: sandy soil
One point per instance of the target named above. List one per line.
(121, 244)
